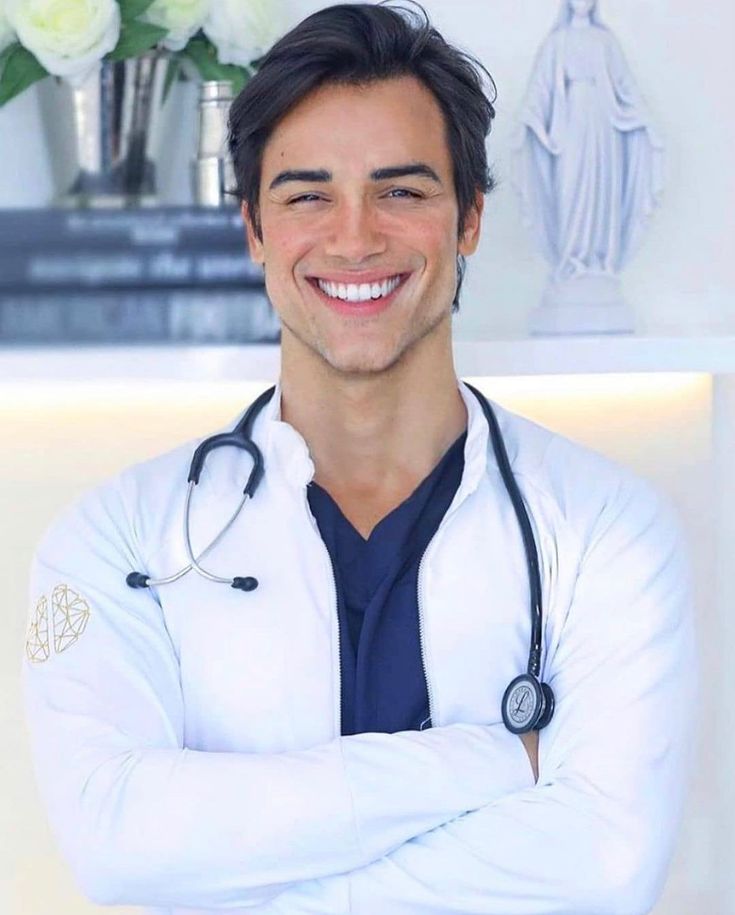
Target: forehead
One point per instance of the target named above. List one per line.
(356, 129)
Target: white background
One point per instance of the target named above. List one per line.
(677, 430)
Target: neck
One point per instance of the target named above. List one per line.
(580, 20)
(374, 433)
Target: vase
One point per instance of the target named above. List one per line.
(106, 133)
(212, 171)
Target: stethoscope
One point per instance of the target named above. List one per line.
(528, 704)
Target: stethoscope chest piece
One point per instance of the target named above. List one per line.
(528, 705)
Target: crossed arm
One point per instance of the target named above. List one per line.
(595, 835)
(447, 820)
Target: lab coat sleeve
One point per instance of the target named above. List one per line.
(141, 819)
(595, 835)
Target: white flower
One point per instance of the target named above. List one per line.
(7, 35)
(69, 37)
(243, 30)
(182, 18)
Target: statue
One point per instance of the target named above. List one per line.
(589, 170)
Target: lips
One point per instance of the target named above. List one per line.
(366, 276)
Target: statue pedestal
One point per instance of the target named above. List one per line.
(586, 304)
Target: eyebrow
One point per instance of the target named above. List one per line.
(379, 174)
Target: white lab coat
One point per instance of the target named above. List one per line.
(186, 740)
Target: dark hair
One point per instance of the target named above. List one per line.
(358, 43)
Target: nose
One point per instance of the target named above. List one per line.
(354, 232)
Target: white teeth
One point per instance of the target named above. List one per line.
(362, 292)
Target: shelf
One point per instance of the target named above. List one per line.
(713, 354)
(260, 362)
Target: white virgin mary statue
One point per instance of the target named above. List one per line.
(588, 167)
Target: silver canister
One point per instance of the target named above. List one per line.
(212, 170)
(103, 135)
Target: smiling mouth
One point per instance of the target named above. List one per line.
(359, 292)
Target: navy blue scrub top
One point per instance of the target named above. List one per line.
(382, 676)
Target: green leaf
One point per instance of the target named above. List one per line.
(174, 66)
(131, 9)
(5, 54)
(19, 69)
(204, 56)
(135, 38)
(239, 79)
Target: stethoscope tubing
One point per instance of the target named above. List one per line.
(194, 563)
(242, 433)
(534, 701)
(529, 541)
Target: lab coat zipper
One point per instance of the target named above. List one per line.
(315, 526)
(422, 637)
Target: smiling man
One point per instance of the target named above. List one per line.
(358, 231)
(434, 582)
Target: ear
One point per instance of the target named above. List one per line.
(255, 246)
(470, 238)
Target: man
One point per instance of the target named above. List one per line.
(326, 736)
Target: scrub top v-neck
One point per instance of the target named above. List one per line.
(382, 676)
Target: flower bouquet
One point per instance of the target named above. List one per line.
(114, 62)
(221, 39)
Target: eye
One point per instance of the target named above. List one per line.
(304, 197)
(404, 192)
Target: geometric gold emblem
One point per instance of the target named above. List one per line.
(71, 613)
(37, 647)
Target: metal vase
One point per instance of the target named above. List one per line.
(115, 115)
(212, 171)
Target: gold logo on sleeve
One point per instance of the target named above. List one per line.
(69, 615)
(71, 612)
(37, 647)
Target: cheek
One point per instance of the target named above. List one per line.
(439, 241)
(284, 245)
(431, 234)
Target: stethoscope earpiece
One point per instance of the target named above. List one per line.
(245, 584)
(137, 580)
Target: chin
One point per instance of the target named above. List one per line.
(364, 353)
(360, 361)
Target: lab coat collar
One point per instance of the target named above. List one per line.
(285, 449)
(286, 453)
(476, 454)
